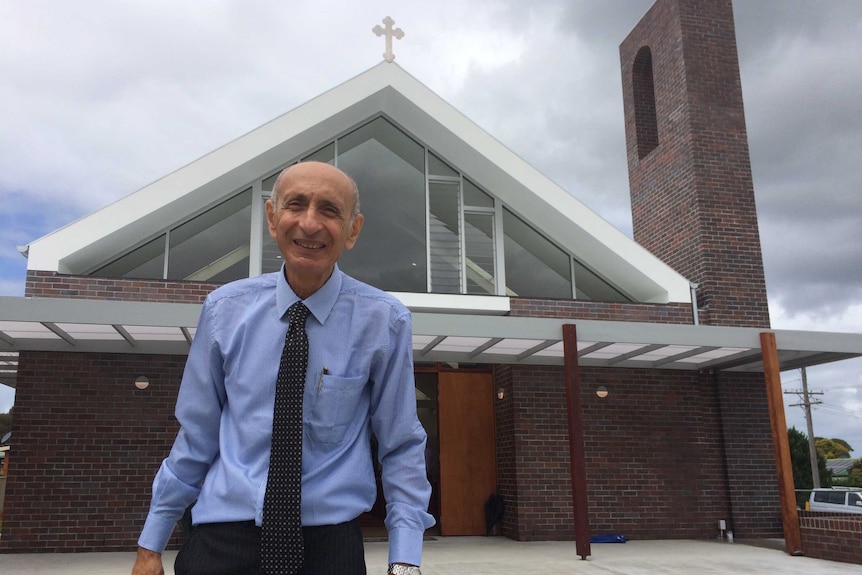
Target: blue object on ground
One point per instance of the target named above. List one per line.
(610, 538)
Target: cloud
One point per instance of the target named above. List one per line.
(103, 97)
(805, 134)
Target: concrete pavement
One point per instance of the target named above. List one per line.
(500, 556)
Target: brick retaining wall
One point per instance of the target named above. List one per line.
(833, 536)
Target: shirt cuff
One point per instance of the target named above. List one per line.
(405, 546)
(156, 533)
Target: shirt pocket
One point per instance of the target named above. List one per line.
(335, 405)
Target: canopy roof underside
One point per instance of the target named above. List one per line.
(69, 325)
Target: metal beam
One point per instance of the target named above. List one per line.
(797, 348)
(187, 334)
(126, 335)
(8, 340)
(434, 343)
(635, 353)
(683, 355)
(595, 347)
(739, 359)
(487, 345)
(60, 333)
(100, 312)
(536, 348)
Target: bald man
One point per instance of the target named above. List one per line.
(358, 380)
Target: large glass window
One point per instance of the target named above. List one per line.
(389, 169)
(427, 228)
(534, 266)
(144, 262)
(214, 246)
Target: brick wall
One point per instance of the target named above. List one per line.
(655, 461)
(604, 311)
(692, 196)
(52, 284)
(87, 445)
(751, 472)
(833, 536)
(504, 421)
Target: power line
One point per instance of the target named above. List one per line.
(845, 411)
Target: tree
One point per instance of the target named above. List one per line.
(800, 460)
(854, 478)
(833, 448)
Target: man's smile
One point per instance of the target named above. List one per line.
(309, 245)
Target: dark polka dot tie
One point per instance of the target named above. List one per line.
(281, 535)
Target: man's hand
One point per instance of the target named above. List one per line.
(148, 563)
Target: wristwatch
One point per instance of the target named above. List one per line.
(399, 569)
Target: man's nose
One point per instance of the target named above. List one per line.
(310, 221)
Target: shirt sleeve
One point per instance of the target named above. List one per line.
(199, 404)
(401, 445)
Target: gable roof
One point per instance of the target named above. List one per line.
(387, 90)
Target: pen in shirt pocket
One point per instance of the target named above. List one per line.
(323, 372)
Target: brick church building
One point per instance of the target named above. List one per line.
(596, 383)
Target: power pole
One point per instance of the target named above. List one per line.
(806, 404)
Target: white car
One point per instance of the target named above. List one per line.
(843, 500)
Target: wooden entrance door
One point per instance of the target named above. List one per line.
(468, 468)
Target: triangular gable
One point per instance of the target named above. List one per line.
(388, 90)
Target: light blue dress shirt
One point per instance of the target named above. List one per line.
(359, 380)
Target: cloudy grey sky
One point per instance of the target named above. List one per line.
(99, 98)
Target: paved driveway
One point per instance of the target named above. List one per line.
(500, 556)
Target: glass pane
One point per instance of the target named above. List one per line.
(270, 256)
(325, 154)
(534, 266)
(473, 196)
(589, 286)
(213, 246)
(389, 169)
(145, 262)
(267, 184)
(479, 239)
(437, 167)
(444, 209)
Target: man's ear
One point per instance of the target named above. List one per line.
(270, 217)
(355, 228)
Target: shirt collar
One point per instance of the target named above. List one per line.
(320, 303)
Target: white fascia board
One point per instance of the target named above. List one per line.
(204, 181)
(533, 196)
(453, 303)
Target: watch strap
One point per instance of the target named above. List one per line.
(399, 569)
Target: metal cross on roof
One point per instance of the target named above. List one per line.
(389, 32)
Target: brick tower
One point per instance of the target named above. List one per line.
(689, 167)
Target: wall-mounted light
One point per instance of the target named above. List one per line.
(142, 382)
(601, 392)
(501, 393)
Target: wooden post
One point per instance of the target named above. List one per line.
(577, 456)
(787, 493)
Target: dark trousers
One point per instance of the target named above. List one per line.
(234, 549)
